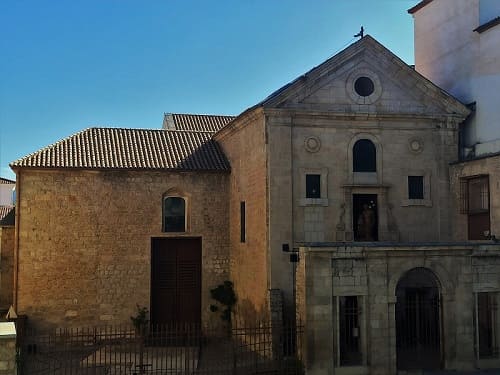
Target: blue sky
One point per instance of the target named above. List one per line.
(69, 65)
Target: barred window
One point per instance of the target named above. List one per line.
(486, 325)
(475, 203)
(349, 331)
(474, 195)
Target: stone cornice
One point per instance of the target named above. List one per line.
(240, 122)
(358, 116)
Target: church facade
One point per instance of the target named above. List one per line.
(332, 197)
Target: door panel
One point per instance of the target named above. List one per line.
(175, 280)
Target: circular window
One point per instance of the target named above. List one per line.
(364, 86)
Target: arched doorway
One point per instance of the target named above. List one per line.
(418, 321)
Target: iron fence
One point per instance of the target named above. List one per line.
(260, 348)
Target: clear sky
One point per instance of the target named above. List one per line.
(69, 65)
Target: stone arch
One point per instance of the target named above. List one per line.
(176, 192)
(441, 274)
(418, 320)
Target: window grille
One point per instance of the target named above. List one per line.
(474, 195)
(349, 331)
(486, 325)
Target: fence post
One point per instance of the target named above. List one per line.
(7, 348)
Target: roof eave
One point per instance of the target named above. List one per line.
(419, 6)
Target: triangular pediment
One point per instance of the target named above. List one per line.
(365, 77)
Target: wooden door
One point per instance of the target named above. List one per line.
(175, 280)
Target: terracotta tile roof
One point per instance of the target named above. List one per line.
(4, 211)
(6, 181)
(115, 148)
(203, 123)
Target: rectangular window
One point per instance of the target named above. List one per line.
(313, 186)
(349, 331)
(486, 325)
(475, 202)
(415, 187)
(242, 222)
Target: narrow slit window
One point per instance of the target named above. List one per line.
(242, 222)
(415, 187)
(313, 186)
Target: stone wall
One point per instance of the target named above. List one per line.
(6, 266)
(245, 145)
(7, 348)
(85, 240)
(295, 220)
(372, 274)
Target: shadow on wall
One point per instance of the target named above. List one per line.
(247, 312)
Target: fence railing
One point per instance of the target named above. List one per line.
(262, 347)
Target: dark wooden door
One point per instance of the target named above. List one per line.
(175, 280)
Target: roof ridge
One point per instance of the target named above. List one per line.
(198, 114)
(140, 129)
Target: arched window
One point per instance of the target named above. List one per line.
(174, 214)
(364, 156)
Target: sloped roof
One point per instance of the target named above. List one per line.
(116, 148)
(6, 181)
(205, 123)
(7, 215)
(453, 105)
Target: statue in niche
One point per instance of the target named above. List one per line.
(366, 224)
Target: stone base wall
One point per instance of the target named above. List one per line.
(6, 266)
(85, 241)
(372, 275)
(7, 349)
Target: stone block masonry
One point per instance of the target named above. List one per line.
(85, 241)
(6, 266)
(7, 348)
(373, 275)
